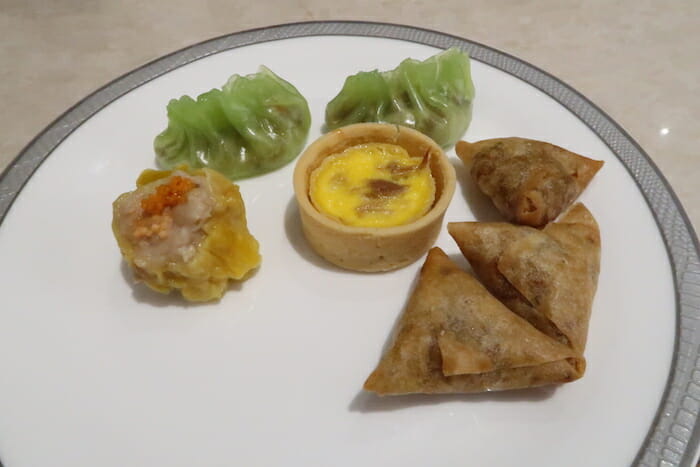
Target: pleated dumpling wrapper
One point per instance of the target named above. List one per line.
(185, 229)
(455, 337)
(530, 182)
(549, 276)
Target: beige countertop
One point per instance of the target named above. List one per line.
(637, 60)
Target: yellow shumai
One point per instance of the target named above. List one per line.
(226, 250)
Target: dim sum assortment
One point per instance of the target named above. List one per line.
(372, 194)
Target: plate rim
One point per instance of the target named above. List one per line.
(674, 436)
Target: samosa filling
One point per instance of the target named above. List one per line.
(164, 219)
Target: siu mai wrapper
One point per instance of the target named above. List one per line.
(455, 337)
(185, 230)
(530, 182)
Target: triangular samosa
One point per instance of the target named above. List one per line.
(530, 182)
(548, 277)
(455, 337)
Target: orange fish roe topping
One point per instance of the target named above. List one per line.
(167, 195)
(158, 225)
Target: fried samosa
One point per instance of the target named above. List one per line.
(548, 277)
(455, 337)
(530, 182)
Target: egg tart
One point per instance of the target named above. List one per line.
(372, 196)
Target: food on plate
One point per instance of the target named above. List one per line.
(373, 185)
(433, 96)
(185, 229)
(549, 276)
(530, 182)
(526, 326)
(370, 249)
(252, 125)
(455, 337)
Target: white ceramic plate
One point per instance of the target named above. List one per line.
(97, 371)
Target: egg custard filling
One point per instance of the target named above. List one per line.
(373, 185)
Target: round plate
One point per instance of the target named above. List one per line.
(98, 371)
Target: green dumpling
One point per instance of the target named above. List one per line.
(253, 125)
(433, 96)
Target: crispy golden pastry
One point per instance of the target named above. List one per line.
(455, 337)
(530, 182)
(483, 244)
(548, 277)
(373, 249)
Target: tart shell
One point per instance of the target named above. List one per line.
(372, 249)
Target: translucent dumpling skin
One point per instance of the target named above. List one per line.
(433, 96)
(185, 229)
(253, 125)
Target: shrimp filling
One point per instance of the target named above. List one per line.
(164, 219)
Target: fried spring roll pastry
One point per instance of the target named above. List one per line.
(527, 327)
(454, 336)
(530, 182)
(548, 277)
